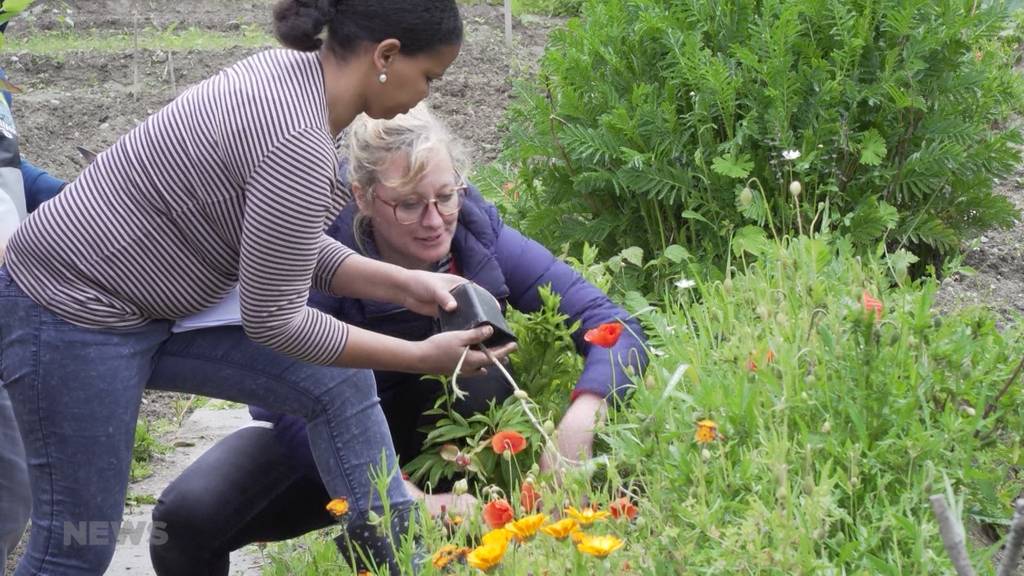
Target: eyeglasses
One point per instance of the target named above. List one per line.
(411, 210)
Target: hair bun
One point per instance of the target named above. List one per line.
(299, 23)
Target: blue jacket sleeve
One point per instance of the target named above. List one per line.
(40, 186)
(527, 266)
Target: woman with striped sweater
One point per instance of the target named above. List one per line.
(231, 184)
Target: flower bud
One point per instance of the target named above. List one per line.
(727, 285)
(372, 518)
(549, 427)
(521, 394)
(705, 454)
(795, 188)
(460, 487)
(507, 455)
(746, 197)
(826, 427)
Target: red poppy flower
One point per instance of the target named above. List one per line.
(751, 364)
(622, 508)
(497, 513)
(871, 304)
(508, 440)
(605, 335)
(529, 499)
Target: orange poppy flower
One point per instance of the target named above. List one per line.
(497, 513)
(871, 304)
(338, 507)
(707, 431)
(508, 440)
(769, 356)
(605, 335)
(529, 499)
(622, 508)
(447, 554)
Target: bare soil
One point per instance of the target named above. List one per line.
(91, 99)
(997, 258)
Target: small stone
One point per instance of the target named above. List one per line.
(984, 239)
(55, 102)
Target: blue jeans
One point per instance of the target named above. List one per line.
(76, 394)
(15, 501)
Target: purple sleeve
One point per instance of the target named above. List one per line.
(527, 266)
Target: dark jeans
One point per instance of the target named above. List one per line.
(15, 500)
(76, 395)
(248, 487)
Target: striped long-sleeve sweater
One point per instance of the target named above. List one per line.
(232, 182)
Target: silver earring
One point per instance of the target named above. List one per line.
(383, 77)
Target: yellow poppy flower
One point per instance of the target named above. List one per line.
(486, 556)
(707, 431)
(587, 516)
(498, 536)
(560, 529)
(599, 546)
(526, 527)
(338, 507)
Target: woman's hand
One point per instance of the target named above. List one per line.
(425, 291)
(440, 353)
(575, 433)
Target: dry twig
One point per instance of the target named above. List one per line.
(952, 532)
(1013, 544)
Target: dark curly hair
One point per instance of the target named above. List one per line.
(420, 25)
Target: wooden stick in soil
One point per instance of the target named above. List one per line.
(1013, 544)
(508, 24)
(952, 533)
(135, 49)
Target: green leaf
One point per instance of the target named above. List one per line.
(634, 255)
(635, 301)
(872, 148)
(732, 166)
(691, 215)
(900, 262)
(749, 239)
(676, 253)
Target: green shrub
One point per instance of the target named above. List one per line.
(834, 427)
(549, 7)
(655, 122)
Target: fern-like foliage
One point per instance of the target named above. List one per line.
(646, 110)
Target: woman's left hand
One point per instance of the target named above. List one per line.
(425, 291)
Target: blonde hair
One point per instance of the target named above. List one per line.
(371, 144)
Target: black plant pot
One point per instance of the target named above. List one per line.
(477, 307)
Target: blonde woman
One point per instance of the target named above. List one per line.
(413, 209)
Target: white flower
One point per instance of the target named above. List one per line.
(685, 283)
(790, 154)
